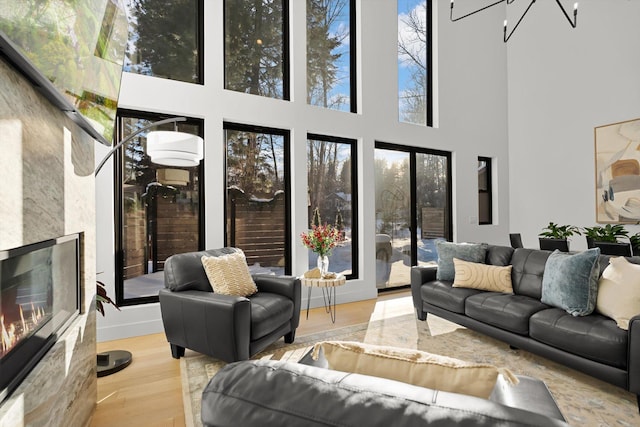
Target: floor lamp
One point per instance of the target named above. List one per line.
(169, 148)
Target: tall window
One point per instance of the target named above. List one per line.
(159, 210)
(256, 58)
(257, 196)
(414, 62)
(485, 193)
(331, 171)
(413, 209)
(166, 39)
(330, 54)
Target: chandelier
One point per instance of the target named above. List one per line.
(507, 37)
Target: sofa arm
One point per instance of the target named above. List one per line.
(213, 324)
(419, 276)
(633, 361)
(287, 286)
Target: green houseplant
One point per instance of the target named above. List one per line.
(555, 231)
(609, 238)
(555, 236)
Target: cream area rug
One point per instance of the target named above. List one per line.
(583, 400)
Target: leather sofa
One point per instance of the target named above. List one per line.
(229, 328)
(592, 344)
(263, 393)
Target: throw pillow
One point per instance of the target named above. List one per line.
(482, 276)
(412, 366)
(229, 274)
(472, 252)
(619, 291)
(570, 281)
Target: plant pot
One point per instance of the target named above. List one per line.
(549, 244)
(614, 248)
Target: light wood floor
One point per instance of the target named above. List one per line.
(149, 393)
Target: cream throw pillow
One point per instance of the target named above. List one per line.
(229, 274)
(412, 366)
(619, 291)
(482, 276)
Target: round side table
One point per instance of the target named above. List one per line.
(328, 287)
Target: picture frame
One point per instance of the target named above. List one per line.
(617, 172)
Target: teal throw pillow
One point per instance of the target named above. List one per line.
(447, 251)
(570, 281)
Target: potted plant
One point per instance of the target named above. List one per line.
(556, 236)
(608, 239)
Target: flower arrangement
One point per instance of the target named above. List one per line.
(322, 238)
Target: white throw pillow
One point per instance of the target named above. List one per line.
(619, 291)
(229, 274)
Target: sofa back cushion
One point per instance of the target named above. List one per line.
(527, 271)
(184, 272)
(498, 255)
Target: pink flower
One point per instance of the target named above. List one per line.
(321, 239)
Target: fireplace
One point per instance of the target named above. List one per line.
(39, 297)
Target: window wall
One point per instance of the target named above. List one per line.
(256, 47)
(413, 209)
(414, 62)
(159, 212)
(166, 39)
(331, 174)
(257, 202)
(331, 54)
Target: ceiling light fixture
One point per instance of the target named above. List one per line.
(506, 37)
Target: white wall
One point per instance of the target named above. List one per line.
(471, 111)
(563, 83)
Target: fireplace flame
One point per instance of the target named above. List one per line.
(12, 332)
(8, 335)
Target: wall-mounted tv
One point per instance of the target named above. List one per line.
(72, 51)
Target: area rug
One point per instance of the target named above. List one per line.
(583, 400)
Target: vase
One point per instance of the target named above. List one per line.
(323, 264)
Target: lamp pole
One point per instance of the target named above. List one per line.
(133, 135)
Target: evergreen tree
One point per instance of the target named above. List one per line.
(316, 218)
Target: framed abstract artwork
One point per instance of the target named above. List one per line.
(617, 166)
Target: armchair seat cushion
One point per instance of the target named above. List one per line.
(268, 312)
(509, 312)
(442, 294)
(594, 337)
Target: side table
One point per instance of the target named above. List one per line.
(328, 287)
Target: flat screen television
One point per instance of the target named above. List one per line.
(73, 52)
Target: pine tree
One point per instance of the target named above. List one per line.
(316, 218)
(339, 222)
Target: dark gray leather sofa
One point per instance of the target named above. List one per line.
(592, 344)
(264, 393)
(229, 328)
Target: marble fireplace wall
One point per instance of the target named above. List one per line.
(48, 190)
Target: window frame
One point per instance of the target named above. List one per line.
(200, 48)
(413, 151)
(353, 144)
(286, 134)
(429, 66)
(118, 214)
(489, 174)
(353, 63)
(286, 42)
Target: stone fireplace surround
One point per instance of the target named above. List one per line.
(49, 191)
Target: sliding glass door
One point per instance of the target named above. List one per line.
(413, 209)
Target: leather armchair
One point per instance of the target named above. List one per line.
(229, 328)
